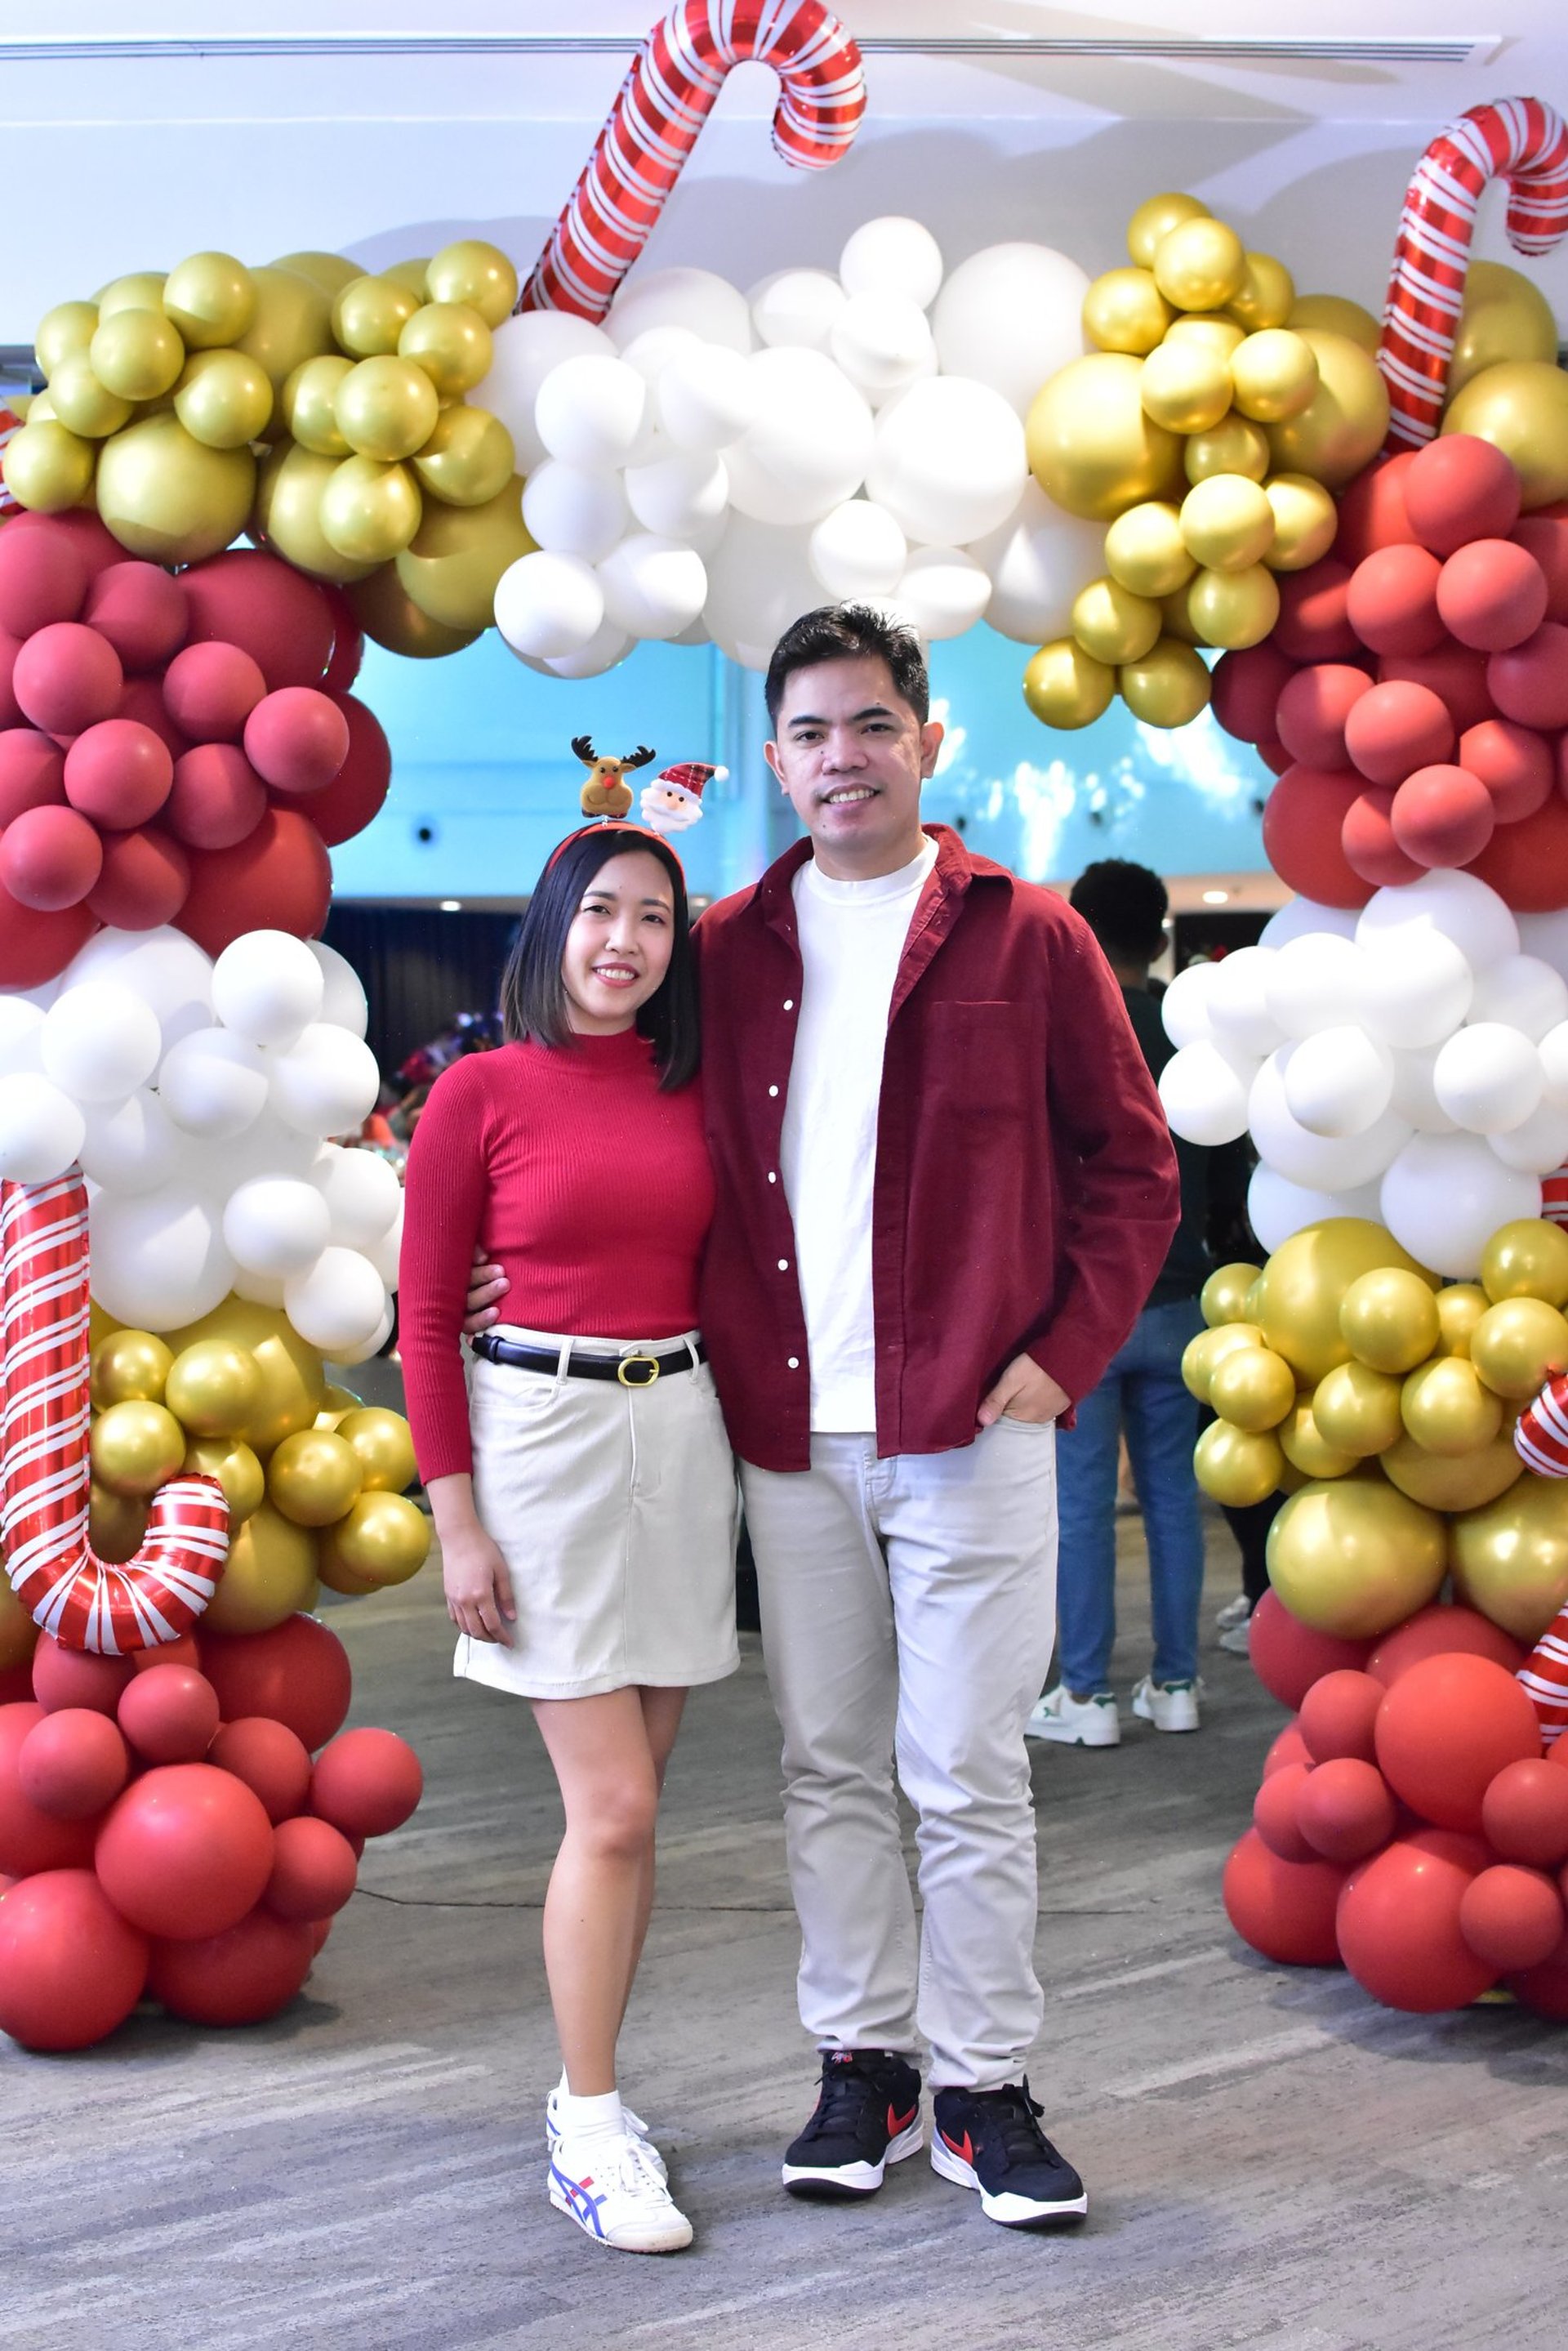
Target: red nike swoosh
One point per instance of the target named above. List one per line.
(963, 2149)
(897, 2123)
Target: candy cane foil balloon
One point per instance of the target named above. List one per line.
(1520, 140)
(84, 1601)
(1541, 1440)
(664, 101)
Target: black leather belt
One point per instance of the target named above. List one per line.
(635, 1371)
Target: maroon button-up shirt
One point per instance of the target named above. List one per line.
(1025, 1189)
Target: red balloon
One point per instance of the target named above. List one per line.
(1246, 686)
(367, 1782)
(1544, 1989)
(217, 800)
(185, 1852)
(272, 1761)
(1442, 816)
(282, 867)
(1392, 601)
(313, 1872)
(143, 701)
(1302, 820)
(1366, 837)
(67, 677)
(357, 792)
(239, 1977)
(72, 1764)
(320, 1928)
(1289, 1657)
(15, 1685)
(1545, 534)
(1515, 764)
(76, 1677)
(70, 1967)
(1446, 1729)
(31, 1839)
(37, 946)
(140, 609)
(211, 689)
(49, 859)
(1460, 487)
(93, 540)
(1339, 1713)
(31, 773)
(1395, 728)
(1273, 755)
(183, 1652)
(42, 579)
(1491, 594)
(1527, 863)
(10, 708)
(144, 882)
(1313, 709)
(297, 739)
(1283, 1909)
(170, 1713)
(1276, 1812)
(1290, 1747)
(1511, 1917)
(1345, 1811)
(297, 1673)
(118, 773)
(1398, 1925)
(1529, 683)
(253, 600)
(1456, 677)
(1441, 1631)
(1315, 614)
(1372, 510)
(1525, 1813)
(347, 643)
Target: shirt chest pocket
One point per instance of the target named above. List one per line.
(982, 1059)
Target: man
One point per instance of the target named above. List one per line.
(945, 1186)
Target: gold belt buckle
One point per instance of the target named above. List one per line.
(625, 1365)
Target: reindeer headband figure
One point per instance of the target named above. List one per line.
(606, 791)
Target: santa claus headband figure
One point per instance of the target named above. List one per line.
(673, 802)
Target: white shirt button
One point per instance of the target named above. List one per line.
(771, 1091)
(795, 1363)
(789, 1004)
(773, 1176)
(783, 1265)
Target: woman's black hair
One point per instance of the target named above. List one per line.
(533, 993)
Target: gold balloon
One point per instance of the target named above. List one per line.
(1224, 1295)
(337, 1403)
(459, 554)
(328, 272)
(1227, 523)
(1264, 297)
(1335, 316)
(468, 459)
(313, 1477)
(292, 1381)
(1445, 1409)
(382, 1445)
(386, 408)
(369, 512)
(269, 1574)
(224, 399)
(1091, 446)
(1169, 687)
(1510, 1558)
(452, 343)
(1461, 1306)
(1357, 1410)
(1199, 264)
(383, 1539)
(1517, 1345)
(1354, 1557)
(1233, 609)
(48, 468)
(212, 298)
(1154, 220)
(1237, 1467)
(1526, 1258)
(136, 354)
(1067, 687)
(63, 333)
(1112, 624)
(1504, 316)
(1178, 619)
(213, 1387)
(1203, 1354)
(1145, 549)
(135, 1447)
(478, 274)
(1342, 429)
(235, 1467)
(390, 617)
(308, 404)
(1236, 445)
(130, 1367)
(142, 289)
(40, 408)
(167, 497)
(288, 513)
(117, 1525)
(293, 323)
(411, 274)
(1389, 1320)
(1275, 375)
(1452, 1482)
(1307, 1449)
(1253, 1388)
(1210, 331)
(370, 315)
(84, 405)
(1124, 311)
(1306, 521)
(1185, 387)
(18, 1634)
(1305, 1280)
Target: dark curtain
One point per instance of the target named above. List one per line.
(421, 969)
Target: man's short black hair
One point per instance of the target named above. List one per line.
(850, 633)
(1125, 906)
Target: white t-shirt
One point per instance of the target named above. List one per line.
(852, 936)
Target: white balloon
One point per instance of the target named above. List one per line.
(1276, 1207)
(1444, 1196)
(570, 511)
(893, 255)
(346, 1356)
(652, 587)
(943, 590)
(385, 1252)
(797, 309)
(268, 1148)
(524, 350)
(809, 445)
(1317, 980)
(165, 970)
(1298, 916)
(1338, 1081)
(1039, 560)
(948, 461)
(1238, 1004)
(652, 351)
(858, 551)
(548, 605)
(1205, 1095)
(882, 341)
(1414, 1098)
(1546, 935)
(338, 1303)
(1537, 1145)
(214, 1083)
(606, 646)
(707, 397)
(1416, 986)
(1553, 1051)
(131, 1146)
(695, 299)
(261, 1289)
(1011, 316)
(41, 1129)
(590, 411)
(21, 1035)
(343, 1000)
(99, 1043)
(364, 1198)
(1320, 1163)
(326, 1083)
(679, 494)
(1456, 904)
(276, 1225)
(158, 1257)
(1524, 993)
(266, 986)
(1184, 1006)
(758, 582)
(1489, 1078)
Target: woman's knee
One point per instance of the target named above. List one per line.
(617, 1823)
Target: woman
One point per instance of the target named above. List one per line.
(581, 1484)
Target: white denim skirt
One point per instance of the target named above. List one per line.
(616, 1510)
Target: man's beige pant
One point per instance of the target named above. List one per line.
(908, 1609)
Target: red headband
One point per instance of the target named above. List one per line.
(606, 825)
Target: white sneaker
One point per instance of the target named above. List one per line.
(634, 2125)
(1235, 1612)
(1169, 1706)
(1076, 1721)
(614, 2187)
(1236, 1640)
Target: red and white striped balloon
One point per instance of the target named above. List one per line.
(1541, 1440)
(664, 101)
(86, 1603)
(1520, 140)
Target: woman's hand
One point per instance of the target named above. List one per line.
(487, 1285)
(478, 1583)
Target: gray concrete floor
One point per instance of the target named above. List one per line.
(1273, 2161)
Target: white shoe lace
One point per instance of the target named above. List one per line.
(637, 2173)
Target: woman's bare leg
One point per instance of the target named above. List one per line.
(662, 1712)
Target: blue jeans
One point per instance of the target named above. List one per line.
(1141, 1391)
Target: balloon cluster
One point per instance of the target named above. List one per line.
(173, 748)
(1210, 427)
(1409, 1826)
(165, 1833)
(710, 464)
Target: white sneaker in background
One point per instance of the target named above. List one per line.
(1076, 1721)
(613, 2185)
(1235, 1612)
(1236, 1640)
(1169, 1706)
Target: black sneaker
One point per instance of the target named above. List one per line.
(992, 2139)
(867, 2117)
